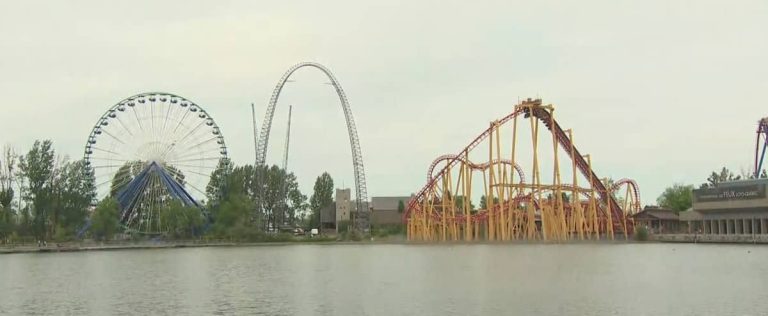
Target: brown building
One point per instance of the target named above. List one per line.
(657, 220)
(388, 210)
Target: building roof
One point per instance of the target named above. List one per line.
(657, 213)
(690, 215)
(388, 202)
(737, 183)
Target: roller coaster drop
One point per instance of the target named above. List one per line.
(516, 209)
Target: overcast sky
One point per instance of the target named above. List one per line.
(658, 91)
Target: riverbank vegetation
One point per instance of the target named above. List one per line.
(48, 197)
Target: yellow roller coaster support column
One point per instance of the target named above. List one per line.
(489, 187)
(576, 209)
(609, 211)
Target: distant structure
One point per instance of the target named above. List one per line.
(146, 161)
(561, 198)
(343, 206)
(388, 210)
(334, 216)
(729, 208)
(361, 190)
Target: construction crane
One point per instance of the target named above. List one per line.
(284, 207)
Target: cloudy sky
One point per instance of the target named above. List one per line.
(658, 91)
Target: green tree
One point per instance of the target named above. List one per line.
(321, 198)
(37, 167)
(216, 187)
(715, 178)
(274, 196)
(458, 202)
(105, 222)
(484, 202)
(181, 221)
(297, 201)
(7, 179)
(124, 175)
(400, 206)
(233, 218)
(240, 183)
(72, 192)
(677, 197)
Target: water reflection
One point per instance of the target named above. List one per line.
(584, 279)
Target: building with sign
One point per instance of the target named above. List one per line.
(729, 208)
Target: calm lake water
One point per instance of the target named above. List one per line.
(579, 279)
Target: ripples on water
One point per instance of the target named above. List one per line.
(581, 279)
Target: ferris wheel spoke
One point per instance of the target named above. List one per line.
(186, 113)
(183, 172)
(202, 143)
(108, 159)
(123, 124)
(119, 183)
(104, 150)
(196, 189)
(136, 114)
(175, 143)
(167, 117)
(106, 166)
(193, 160)
(181, 141)
(151, 108)
(104, 177)
(198, 153)
(187, 183)
(194, 166)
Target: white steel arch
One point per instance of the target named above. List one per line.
(361, 190)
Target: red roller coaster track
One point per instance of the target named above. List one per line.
(619, 221)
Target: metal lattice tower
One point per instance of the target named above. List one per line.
(361, 191)
(255, 133)
(287, 140)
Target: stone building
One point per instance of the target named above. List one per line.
(333, 216)
(729, 208)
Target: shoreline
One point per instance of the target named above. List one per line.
(83, 247)
(87, 246)
(709, 239)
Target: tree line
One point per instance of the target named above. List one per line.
(42, 194)
(246, 201)
(46, 196)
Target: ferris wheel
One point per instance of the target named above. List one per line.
(151, 149)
